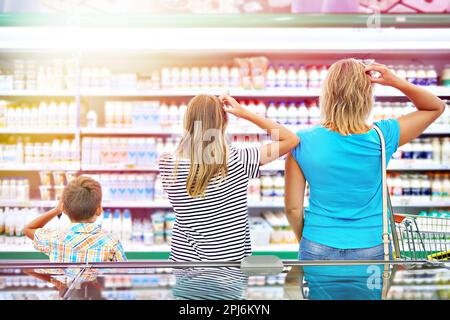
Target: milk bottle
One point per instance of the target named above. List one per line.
(116, 225)
(281, 77)
(271, 77)
(164, 114)
(421, 76)
(313, 78)
(314, 114)
(235, 79)
(302, 77)
(175, 77)
(291, 77)
(224, 76)
(261, 109)
(292, 112)
(42, 115)
(411, 74)
(173, 114)
(272, 111)
(185, 77)
(205, 77)
(322, 74)
(214, 76)
(303, 115)
(436, 188)
(165, 78)
(282, 113)
(431, 75)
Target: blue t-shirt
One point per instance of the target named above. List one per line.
(344, 177)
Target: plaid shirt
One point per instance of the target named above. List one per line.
(82, 242)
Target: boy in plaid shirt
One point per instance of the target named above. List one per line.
(84, 241)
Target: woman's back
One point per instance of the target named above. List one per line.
(344, 175)
(213, 227)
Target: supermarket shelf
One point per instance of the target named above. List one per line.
(37, 93)
(132, 131)
(118, 168)
(37, 131)
(221, 20)
(189, 92)
(251, 204)
(40, 167)
(223, 39)
(278, 165)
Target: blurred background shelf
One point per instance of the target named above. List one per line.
(190, 92)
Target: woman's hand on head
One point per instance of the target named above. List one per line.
(385, 76)
(230, 105)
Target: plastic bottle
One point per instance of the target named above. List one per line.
(164, 114)
(303, 115)
(421, 76)
(271, 77)
(106, 223)
(224, 76)
(165, 78)
(272, 110)
(205, 80)
(127, 226)
(401, 71)
(175, 81)
(291, 111)
(173, 114)
(411, 74)
(314, 114)
(214, 76)
(91, 119)
(431, 75)
(281, 77)
(322, 74)
(313, 77)
(42, 115)
(437, 151)
(116, 225)
(291, 77)
(302, 77)
(282, 113)
(235, 80)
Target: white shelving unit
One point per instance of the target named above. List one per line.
(207, 42)
(190, 92)
(251, 204)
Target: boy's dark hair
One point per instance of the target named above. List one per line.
(81, 198)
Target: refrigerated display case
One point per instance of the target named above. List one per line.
(163, 280)
(107, 84)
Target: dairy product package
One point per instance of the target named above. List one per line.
(258, 71)
(244, 72)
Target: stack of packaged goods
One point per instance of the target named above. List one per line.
(125, 152)
(59, 74)
(419, 188)
(424, 151)
(58, 153)
(281, 230)
(12, 223)
(135, 232)
(17, 189)
(60, 180)
(422, 284)
(43, 115)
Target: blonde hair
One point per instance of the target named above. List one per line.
(347, 98)
(204, 119)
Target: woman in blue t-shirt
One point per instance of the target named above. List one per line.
(340, 159)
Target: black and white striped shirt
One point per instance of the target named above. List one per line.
(214, 227)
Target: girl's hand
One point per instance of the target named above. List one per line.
(59, 207)
(230, 105)
(386, 76)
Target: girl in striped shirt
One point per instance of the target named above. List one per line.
(206, 180)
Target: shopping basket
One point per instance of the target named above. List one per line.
(421, 237)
